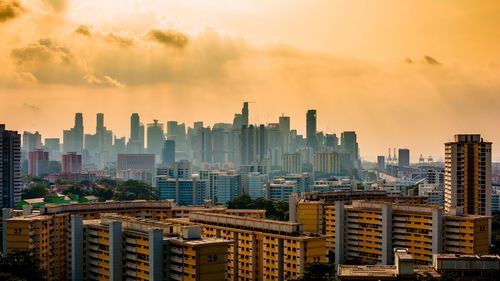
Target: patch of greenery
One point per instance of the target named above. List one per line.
(276, 210)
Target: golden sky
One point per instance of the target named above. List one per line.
(400, 73)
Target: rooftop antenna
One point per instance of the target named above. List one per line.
(389, 159)
(395, 158)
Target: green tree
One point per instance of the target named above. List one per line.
(133, 190)
(108, 181)
(55, 167)
(35, 191)
(276, 210)
(103, 193)
(21, 265)
(61, 182)
(242, 201)
(318, 271)
(75, 190)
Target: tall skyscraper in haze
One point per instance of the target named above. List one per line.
(136, 141)
(311, 129)
(155, 138)
(403, 157)
(381, 163)
(244, 113)
(284, 123)
(10, 168)
(241, 119)
(168, 152)
(468, 175)
(73, 138)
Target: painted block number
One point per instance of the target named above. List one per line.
(212, 258)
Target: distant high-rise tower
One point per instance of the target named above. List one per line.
(168, 152)
(155, 138)
(73, 138)
(136, 141)
(468, 175)
(284, 122)
(381, 163)
(10, 168)
(244, 113)
(404, 157)
(311, 129)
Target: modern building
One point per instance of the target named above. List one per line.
(281, 189)
(136, 161)
(256, 185)
(403, 157)
(38, 163)
(71, 163)
(168, 152)
(186, 192)
(155, 139)
(10, 168)
(53, 147)
(176, 170)
(73, 138)
(292, 163)
(468, 175)
(222, 186)
(326, 163)
(381, 163)
(311, 129)
(136, 142)
(31, 141)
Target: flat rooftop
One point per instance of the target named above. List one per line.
(367, 271)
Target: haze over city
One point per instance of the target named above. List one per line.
(399, 74)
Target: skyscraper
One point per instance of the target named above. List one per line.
(168, 152)
(136, 141)
(73, 138)
(468, 175)
(284, 122)
(244, 113)
(10, 168)
(241, 119)
(155, 138)
(381, 163)
(311, 129)
(404, 157)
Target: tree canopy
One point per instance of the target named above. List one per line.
(277, 210)
(35, 191)
(133, 190)
(21, 265)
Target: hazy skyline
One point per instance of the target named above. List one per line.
(400, 74)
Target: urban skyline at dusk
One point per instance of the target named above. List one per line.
(409, 81)
(222, 140)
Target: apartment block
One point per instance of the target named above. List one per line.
(48, 232)
(124, 248)
(369, 231)
(468, 175)
(262, 249)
